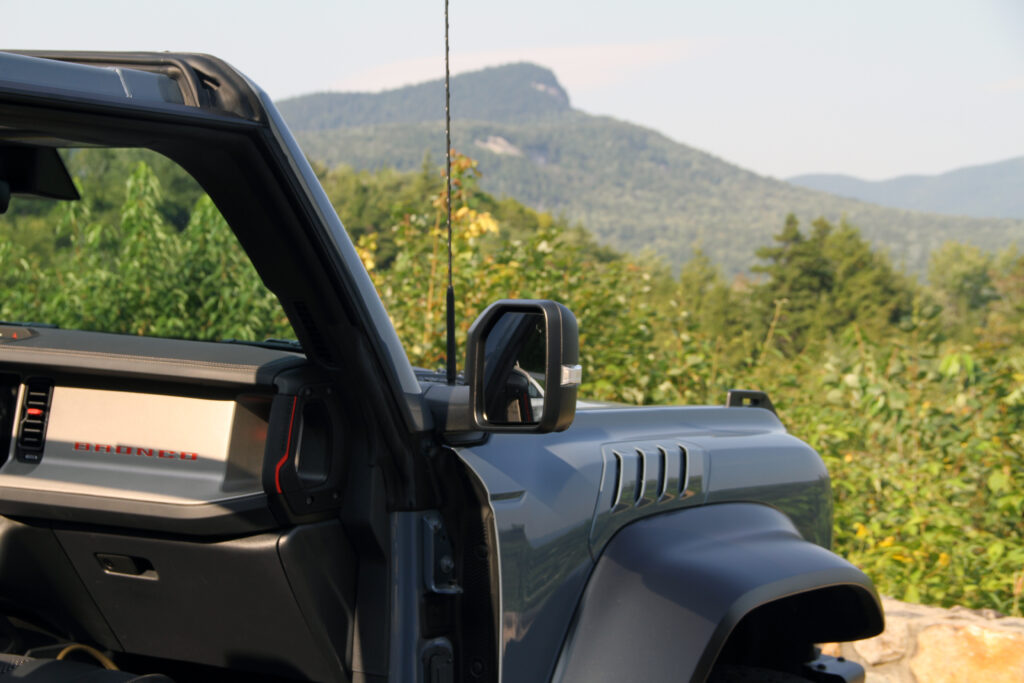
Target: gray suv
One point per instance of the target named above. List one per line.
(200, 510)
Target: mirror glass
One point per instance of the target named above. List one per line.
(515, 356)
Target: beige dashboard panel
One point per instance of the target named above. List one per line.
(147, 447)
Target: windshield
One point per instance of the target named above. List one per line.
(143, 252)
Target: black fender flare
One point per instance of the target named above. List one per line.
(668, 590)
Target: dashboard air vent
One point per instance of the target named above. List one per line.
(35, 410)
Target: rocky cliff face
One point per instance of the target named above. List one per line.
(923, 644)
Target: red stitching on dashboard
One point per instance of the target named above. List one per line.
(287, 447)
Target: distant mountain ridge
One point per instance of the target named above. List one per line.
(515, 92)
(984, 191)
(633, 187)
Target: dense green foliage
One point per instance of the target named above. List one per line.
(116, 262)
(913, 395)
(989, 190)
(632, 187)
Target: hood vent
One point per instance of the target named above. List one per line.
(35, 411)
(647, 475)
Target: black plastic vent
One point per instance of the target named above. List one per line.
(641, 477)
(662, 473)
(617, 480)
(684, 470)
(35, 411)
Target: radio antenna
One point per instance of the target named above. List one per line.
(450, 294)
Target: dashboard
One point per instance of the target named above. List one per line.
(195, 482)
(152, 433)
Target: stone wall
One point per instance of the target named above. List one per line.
(932, 645)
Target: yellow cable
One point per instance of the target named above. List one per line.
(96, 654)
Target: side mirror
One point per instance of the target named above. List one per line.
(522, 361)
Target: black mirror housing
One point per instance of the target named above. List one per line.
(498, 339)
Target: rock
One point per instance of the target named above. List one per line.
(831, 649)
(888, 646)
(923, 644)
(872, 677)
(952, 653)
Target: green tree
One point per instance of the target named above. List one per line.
(823, 283)
(800, 280)
(1005, 323)
(960, 275)
(866, 290)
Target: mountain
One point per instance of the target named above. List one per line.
(986, 191)
(505, 94)
(633, 187)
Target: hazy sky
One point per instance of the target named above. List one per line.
(870, 88)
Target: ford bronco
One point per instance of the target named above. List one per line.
(189, 509)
